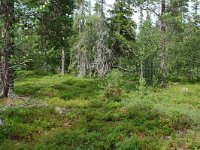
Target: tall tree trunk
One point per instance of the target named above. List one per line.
(162, 45)
(102, 8)
(82, 14)
(141, 71)
(63, 62)
(81, 55)
(141, 16)
(7, 72)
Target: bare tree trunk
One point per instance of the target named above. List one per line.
(7, 72)
(63, 62)
(141, 71)
(162, 46)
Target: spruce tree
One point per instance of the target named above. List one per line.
(122, 30)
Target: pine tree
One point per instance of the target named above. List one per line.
(8, 48)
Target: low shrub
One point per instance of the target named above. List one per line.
(113, 94)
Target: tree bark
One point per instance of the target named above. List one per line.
(8, 47)
(162, 45)
(63, 62)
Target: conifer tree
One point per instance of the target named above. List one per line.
(7, 13)
(122, 30)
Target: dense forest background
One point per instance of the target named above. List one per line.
(88, 41)
(87, 75)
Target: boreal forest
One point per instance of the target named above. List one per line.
(99, 74)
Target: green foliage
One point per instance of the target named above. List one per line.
(113, 94)
(115, 83)
(64, 87)
(122, 30)
(119, 111)
(129, 143)
(114, 79)
(120, 79)
(25, 124)
(161, 118)
(41, 30)
(24, 74)
(147, 52)
(74, 103)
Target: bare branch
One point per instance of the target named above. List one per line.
(124, 69)
(150, 9)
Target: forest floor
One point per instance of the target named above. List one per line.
(70, 113)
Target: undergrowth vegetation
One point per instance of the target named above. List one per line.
(82, 114)
(56, 86)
